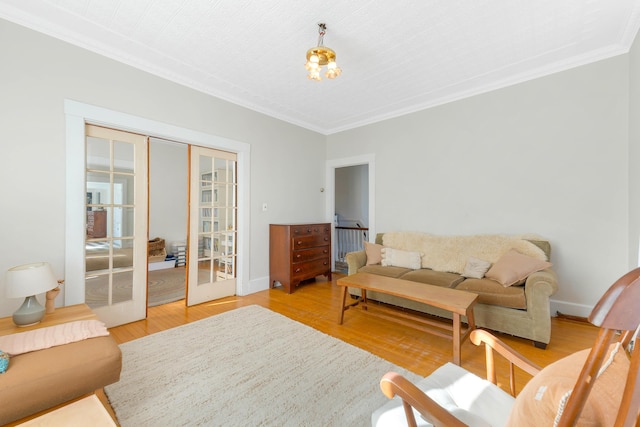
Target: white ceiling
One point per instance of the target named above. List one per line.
(397, 56)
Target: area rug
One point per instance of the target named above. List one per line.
(249, 366)
(165, 286)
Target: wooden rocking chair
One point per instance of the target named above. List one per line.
(598, 386)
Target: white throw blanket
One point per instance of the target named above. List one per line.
(38, 339)
(450, 253)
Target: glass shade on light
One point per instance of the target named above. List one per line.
(333, 70)
(28, 281)
(313, 67)
(319, 56)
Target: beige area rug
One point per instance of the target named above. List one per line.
(247, 367)
(165, 286)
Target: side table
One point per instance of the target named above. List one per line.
(67, 314)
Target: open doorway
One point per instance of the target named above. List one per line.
(168, 210)
(351, 212)
(350, 202)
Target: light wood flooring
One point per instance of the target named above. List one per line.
(317, 304)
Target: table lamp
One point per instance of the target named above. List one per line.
(28, 281)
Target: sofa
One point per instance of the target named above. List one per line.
(510, 274)
(39, 380)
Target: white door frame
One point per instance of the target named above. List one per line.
(330, 192)
(77, 114)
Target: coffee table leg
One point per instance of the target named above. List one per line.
(471, 321)
(456, 339)
(344, 297)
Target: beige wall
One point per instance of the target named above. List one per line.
(634, 153)
(547, 156)
(38, 73)
(168, 184)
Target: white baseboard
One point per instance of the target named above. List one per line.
(570, 308)
(256, 285)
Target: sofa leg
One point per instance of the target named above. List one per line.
(540, 345)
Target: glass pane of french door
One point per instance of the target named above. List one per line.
(213, 225)
(116, 224)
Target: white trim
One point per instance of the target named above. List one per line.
(571, 308)
(257, 285)
(77, 114)
(330, 191)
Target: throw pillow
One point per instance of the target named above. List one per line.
(4, 362)
(543, 398)
(476, 268)
(399, 258)
(513, 267)
(374, 253)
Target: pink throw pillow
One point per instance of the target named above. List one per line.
(514, 267)
(374, 253)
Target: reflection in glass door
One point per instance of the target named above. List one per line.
(116, 224)
(212, 225)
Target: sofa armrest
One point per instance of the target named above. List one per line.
(355, 260)
(541, 284)
(538, 288)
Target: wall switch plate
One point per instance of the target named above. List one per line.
(264, 207)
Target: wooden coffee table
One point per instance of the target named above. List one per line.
(459, 303)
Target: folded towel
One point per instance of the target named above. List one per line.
(65, 333)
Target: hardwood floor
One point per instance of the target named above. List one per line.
(317, 304)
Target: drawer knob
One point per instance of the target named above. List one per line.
(298, 270)
(298, 256)
(299, 242)
(326, 239)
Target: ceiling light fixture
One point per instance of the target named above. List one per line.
(319, 56)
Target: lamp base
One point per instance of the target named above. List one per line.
(29, 313)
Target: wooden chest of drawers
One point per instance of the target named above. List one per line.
(96, 224)
(298, 252)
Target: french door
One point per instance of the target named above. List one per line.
(213, 234)
(116, 224)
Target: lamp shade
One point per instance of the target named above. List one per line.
(29, 279)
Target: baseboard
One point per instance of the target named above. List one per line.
(569, 308)
(255, 285)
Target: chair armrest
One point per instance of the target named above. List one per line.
(492, 343)
(393, 384)
(355, 260)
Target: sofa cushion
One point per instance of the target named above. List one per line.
(384, 271)
(436, 278)
(41, 379)
(374, 253)
(400, 258)
(493, 293)
(513, 267)
(476, 268)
